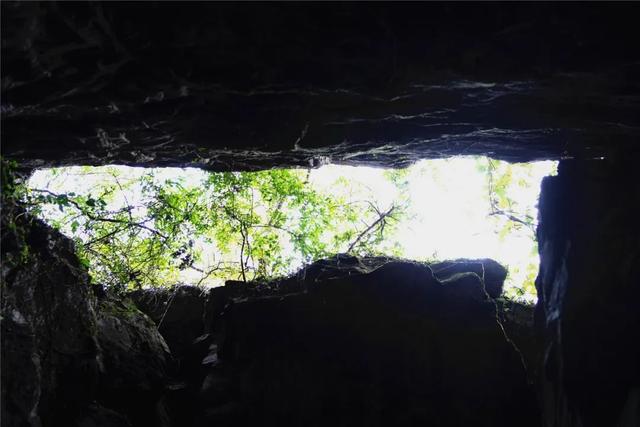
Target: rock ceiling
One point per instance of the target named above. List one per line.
(249, 86)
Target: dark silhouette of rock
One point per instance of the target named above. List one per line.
(136, 362)
(251, 86)
(393, 346)
(67, 358)
(50, 366)
(178, 313)
(338, 342)
(98, 416)
(492, 273)
(588, 311)
(347, 341)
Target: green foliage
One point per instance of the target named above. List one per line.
(148, 227)
(12, 185)
(148, 230)
(7, 176)
(13, 227)
(511, 216)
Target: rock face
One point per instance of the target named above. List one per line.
(243, 87)
(347, 341)
(136, 362)
(67, 358)
(589, 293)
(178, 312)
(50, 366)
(248, 86)
(390, 347)
(492, 273)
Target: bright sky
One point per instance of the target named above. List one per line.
(449, 211)
(448, 214)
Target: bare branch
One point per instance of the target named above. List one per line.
(381, 220)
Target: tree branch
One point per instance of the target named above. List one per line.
(92, 217)
(381, 219)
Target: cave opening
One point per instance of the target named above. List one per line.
(368, 338)
(149, 227)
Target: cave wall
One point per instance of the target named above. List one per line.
(243, 87)
(251, 86)
(588, 313)
(346, 341)
(71, 357)
(49, 349)
(390, 347)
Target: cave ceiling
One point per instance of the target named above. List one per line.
(248, 86)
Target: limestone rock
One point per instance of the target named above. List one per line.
(136, 361)
(50, 363)
(252, 86)
(392, 346)
(588, 312)
(68, 359)
(492, 273)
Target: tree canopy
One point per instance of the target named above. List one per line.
(137, 227)
(141, 231)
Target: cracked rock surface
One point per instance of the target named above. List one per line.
(243, 87)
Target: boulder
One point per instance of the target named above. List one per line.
(50, 364)
(178, 313)
(346, 341)
(136, 362)
(69, 358)
(390, 345)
